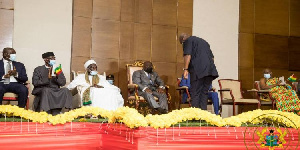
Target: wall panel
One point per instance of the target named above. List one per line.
(165, 12)
(246, 24)
(105, 39)
(126, 41)
(107, 9)
(83, 8)
(6, 27)
(143, 11)
(272, 17)
(246, 50)
(7, 4)
(128, 10)
(164, 43)
(185, 13)
(142, 41)
(295, 18)
(271, 51)
(294, 53)
(81, 39)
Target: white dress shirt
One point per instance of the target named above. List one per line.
(12, 78)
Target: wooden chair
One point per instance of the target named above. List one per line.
(133, 88)
(231, 94)
(182, 89)
(8, 96)
(260, 96)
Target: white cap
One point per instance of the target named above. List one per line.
(89, 62)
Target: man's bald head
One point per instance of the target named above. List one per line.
(148, 67)
(183, 37)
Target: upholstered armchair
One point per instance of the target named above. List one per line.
(231, 94)
(133, 98)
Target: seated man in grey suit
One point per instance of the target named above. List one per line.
(150, 85)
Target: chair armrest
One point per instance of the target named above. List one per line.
(182, 88)
(225, 90)
(167, 86)
(258, 91)
(74, 91)
(132, 86)
(263, 91)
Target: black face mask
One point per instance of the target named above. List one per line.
(149, 70)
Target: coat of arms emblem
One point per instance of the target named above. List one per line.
(271, 138)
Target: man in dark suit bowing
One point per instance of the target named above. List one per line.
(150, 85)
(13, 77)
(199, 62)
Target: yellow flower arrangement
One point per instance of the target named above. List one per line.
(131, 118)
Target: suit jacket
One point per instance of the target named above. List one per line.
(22, 76)
(140, 78)
(40, 80)
(202, 63)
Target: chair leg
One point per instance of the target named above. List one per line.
(136, 104)
(258, 105)
(220, 110)
(27, 104)
(233, 109)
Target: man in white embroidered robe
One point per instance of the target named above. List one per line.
(95, 90)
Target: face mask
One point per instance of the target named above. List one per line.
(111, 81)
(267, 76)
(93, 73)
(12, 57)
(149, 70)
(52, 62)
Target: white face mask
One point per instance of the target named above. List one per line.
(12, 57)
(267, 76)
(93, 73)
(52, 62)
(111, 81)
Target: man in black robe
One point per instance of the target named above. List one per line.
(49, 96)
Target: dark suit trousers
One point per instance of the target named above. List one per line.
(199, 92)
(17, 88)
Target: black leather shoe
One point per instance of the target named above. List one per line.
(162, 111)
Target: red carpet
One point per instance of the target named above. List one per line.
(13, 135)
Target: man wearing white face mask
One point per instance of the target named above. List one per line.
(95, 90)
(49, 96)
(13, 77)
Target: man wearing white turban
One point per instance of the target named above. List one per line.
(95, 90)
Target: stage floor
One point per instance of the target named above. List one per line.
(81, 135)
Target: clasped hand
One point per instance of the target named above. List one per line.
(159, 90)
(97, 86)
(280, 83)
(11, 73)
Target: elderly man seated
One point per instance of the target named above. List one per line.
(47, 80)
(150, 85)
(95, 90)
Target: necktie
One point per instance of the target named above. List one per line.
(149, 76)
(8, 68)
